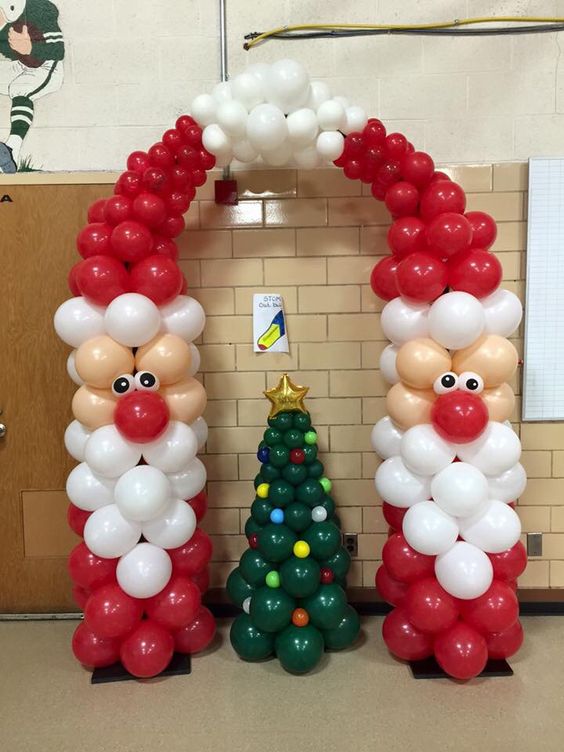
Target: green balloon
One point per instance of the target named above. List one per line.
(273, 579)
(262, 444)
(238, 587)
(271, 609)
(279, 455)
(293, 438)
(328, 504)
(297, 517)
(254, 567)
(257, 481)
(281, 493)
(339, 563)
(324, 539)
(300, 577)
(326, 607)
(310, 452)
(345, 633)
(269, 473)
(251, 527)
(294, 474)
(299, 649)
(315, 469)
(260, 510)
(250, 643)
(282, 421)
(276, 542)
(310, 437)
(302, 421)
(272, 436)
(309, 492)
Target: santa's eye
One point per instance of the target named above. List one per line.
(123, 385)
(146, 381)
(445, 383)
(470, 382)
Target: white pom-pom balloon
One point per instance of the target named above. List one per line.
(247, 89)
(189, 481)
(183, 316)
(464, 571)
(204, 109)
(173, 527)
(142, 493)
(456, 320)
(287, 85)
(508, 486)
(302, 127)
(460, 489)
(173, 450)
(402, 321)
(331, 116)
(503, 312)
(232, 118)
(330, 145)
(87, 490)
(388, 359)
(424, 451)
(266, 127)
(498, 449)
(132, 319)
(71, 369)
(76, 436)
(108, 534)
(493, 529)
(399, 486)
(356, 119)
(428, 529)
(386, 438)
(109, 454)
(76, 320)
(144, 571)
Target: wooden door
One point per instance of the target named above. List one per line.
(37, 248)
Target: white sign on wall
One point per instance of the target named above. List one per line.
(269, 323)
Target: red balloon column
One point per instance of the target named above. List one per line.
(138, 494)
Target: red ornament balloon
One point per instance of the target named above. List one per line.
(92, 650)
(510, 564)
(138, 161)
(172, 227)
(101, 279)
(403, 639)
(199, 504)
(94, 240)
(76, 519)
(405, 563)
(393, 515)
(196, 636)
(96, 211)
(402, 199)
(407, 235)
(88, 570)
(461, 651)
(165, 247)
(149, 209)
(391, 590)
(110, 612)
(429, 607)
(449, 233)
(494, 611)
(484, 229)
(442, 196)
(117, 209)
(148, 650)
(193, 556)
(421, 277)
(502, 645)
(128, 184)
(253, 540)
(459, 416)
(417, 168)
(297, 456)
(326, 576)
(476, 271)
(383, 279)
(141, 416)
(157, 277)
(176, 605)
(202, 580)
(131, 241)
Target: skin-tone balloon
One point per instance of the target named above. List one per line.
(167, 356)
(493, 357)
(500, 402)
(409, 407)
(186, 399)
(100, 360)
(420, 361)
(93, 407)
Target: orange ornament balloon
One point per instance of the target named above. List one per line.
(93, 407)
(492, 357)
(409, 407)
(186, 399)
(300, 617)
(167, 356)
(101, 359)
(500, 402)
(420, 361)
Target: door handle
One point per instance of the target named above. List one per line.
(3, 430)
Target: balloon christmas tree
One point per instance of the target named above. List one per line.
(290, 582)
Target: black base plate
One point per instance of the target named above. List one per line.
(430, 669)
(179, 664)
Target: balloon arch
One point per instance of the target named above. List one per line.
(451, 471)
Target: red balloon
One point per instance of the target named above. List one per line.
(177, 202)
(156, 180)
(101, 279)
(193, 556)
(439, 176)
(207, 160)
(199, 504)
(88, 570)
(131, 241)
(192, 135)
(355, 146)
(148, 650)
(461, 651)
(149, 209)
(176, 605)
(160, 156)
(417, 167)
(183, 123)
(71, 279)
(396, 145)
(421, 277)
(402, 199)
(199, 177)
(76, 519)
(405, 563)
(429, 607)
(184, 288)
(196, 636)
(505, 644)
(128, 184)
(407, 235)
(459, 416)
(353, 169)
(202, 580)
(165, 247)
(379, 190)
(138, 161)
(391, 590)
(189, 157)
(510, 564)
(110, 612)
(484, 229)
(449, 233)
(172, 140)
(393, 515)
(92, 650)
(389, 172)
(494, 611)
(173, 226)
(117, 209)
(80, 596)
(442, 196)
(383, 278)
(94, 240)
(181, 178)
(157, 277)
(141, 416)
(403, 639)
(477, 272)
(96, 211)
(374, 132)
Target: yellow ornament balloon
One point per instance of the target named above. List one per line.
(420, 361)
(262, 490)
(101, 359)
(167, 356)
(93, 407)
(301, 549)
(186, 399)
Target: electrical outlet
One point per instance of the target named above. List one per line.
(350, 542)
(534, 544)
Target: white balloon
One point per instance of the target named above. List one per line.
(493, 529)
(460, 489)
(341, 100)
(331, 116)
(428, 529)
(424, 451)
(319, 514)
(196, 359)
(266, 127)
(200, 428)
(215, 139)
(108, 534)
(189, 481)
(330, 145)
(498, 449)
(503, 312)
(287, 85)
(246, 605)
(173, 450)
(221, 92)
(142, 493)
(319, 92)
(144, 571)
(247, 89)
(109, 454)
(508, 486)
(225, 158)
(456, 320)
(388, 369)
(261, 71)
(173, 527)
(132, 319)
(71, 369)
(76, 436)
(183, 316)
(302, 127)
(402, 321)
(76, 320)
(244, 152)
(399, 486)
(279, 156)
(232, 117)
(356, 119)
(204, 109)
(386, 438)
(87, 490)
(308, 158)
(464, 571)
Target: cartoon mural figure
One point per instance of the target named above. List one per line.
(32, 50)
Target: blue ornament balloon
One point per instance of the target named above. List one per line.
(277, 516)
(263, 454)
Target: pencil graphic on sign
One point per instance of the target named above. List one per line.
(275, 331)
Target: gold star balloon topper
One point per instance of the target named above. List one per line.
(286, 397)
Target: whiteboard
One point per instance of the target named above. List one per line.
(543, 373)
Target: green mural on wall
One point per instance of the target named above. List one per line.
(32, 50)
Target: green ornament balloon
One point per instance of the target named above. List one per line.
(302, 421)
(300, 577)
(254, 567)
(326, 607)
(282, 421)
(260, 510)
(309, 492)
(250, 643)
(297, 517)
(329, 505)
(324, 539)
(269, 473)
(279, 455)
(299, 649)
(257, 481)
(271, 609)
(294, 474)
(281, 493)
(310, 437)
(339, 563)
(275, 542)
(345, 633)
(310, 452)
(325, 484)
(293, 438)
(238, 587)
(251, 526)
(272, 436)
(273, 579)
(315, 469)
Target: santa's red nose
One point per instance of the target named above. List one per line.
(459, 416)
(141, 416)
